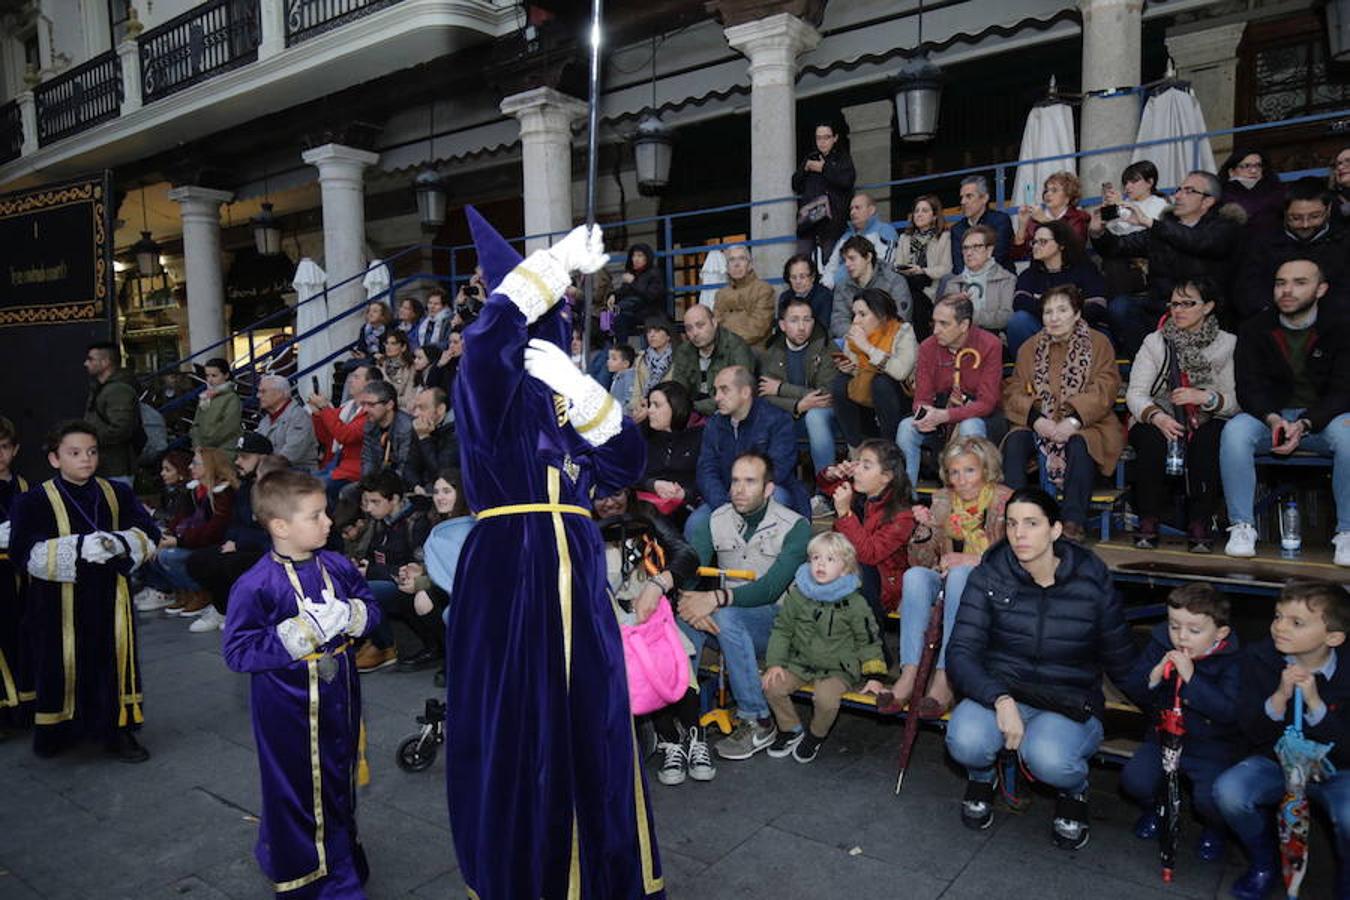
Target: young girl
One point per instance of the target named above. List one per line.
(398, 368)
(427, 370)
(370, 342)
(824, 635)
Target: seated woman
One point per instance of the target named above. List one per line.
(640, 293)
(646, 558)
(423, 579)
(213, 485)
(671, 480)
(1250, 181)
(1057, 258)
(427, 370)
(409, 318)
(965, 520)
(1125, 275)
(878, 358)
(1059, 200)
(803, 282)
(398, 368)
(924, 255)
(1037, 625)
(1061, 401)
(871, 500)
(1182, 390)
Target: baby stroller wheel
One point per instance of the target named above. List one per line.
(416, 753)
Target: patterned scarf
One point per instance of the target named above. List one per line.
(967, 520)
(860, 386)
(1072, 378)
(658, 364)
(918, 246)
(1189, 349)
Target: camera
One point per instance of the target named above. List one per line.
(1110, 212)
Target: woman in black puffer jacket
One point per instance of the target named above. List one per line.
(1038, 623)
(640, 293)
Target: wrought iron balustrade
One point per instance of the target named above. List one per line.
(209, 39)
(308, 18)
(79, 98)
(11, 131)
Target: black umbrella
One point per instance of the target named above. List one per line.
(1171, 729)
(932, 640)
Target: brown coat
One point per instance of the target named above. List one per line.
(746, 307)
(1094, 407)
(929, 543)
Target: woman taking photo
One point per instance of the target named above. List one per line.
(924, 255)
(1061, 401)
(1125, 275)
(1057, 258)
(1059, 203)
(1037, 625)
(1181, 394)
(965, 519)
(878, 358)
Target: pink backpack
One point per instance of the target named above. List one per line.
(657, 663)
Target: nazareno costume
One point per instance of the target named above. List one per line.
(546, 793)
(16, 680)
(80, 624)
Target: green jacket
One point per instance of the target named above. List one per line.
(113, 409)
(820, 369)
(815, 640)
(728, 350)
(219, 421)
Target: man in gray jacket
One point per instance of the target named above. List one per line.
(286, 424)
(389, 433)
(865, 271)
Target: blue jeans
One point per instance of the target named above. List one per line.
(920, 590)
(743, 635)
(1020, 328)
(1245, 436)
(1247, 795)
(168, 571)
(1133, 317)
(1142, 779)
(911, 441)
(818, 426)
(1055, 749)
(382, 635)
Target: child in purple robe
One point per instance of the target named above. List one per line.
(290, 623)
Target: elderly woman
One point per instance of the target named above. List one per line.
(878, 358)
(1181, 394)
(1061, 400)
(1038, 624)
(1057, 258)
(1059, 200)
(924, 255)
(965, 519)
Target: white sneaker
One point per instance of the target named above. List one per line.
(1242, 540)
(1342, 544)
(149, 599)
(209, 620)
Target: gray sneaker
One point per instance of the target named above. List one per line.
(748, 739)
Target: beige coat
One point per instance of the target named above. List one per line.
(1147, 369)
(746, 307)
(939, 259)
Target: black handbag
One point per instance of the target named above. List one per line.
(812, 213)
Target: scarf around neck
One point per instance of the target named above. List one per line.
(1073, 378)
(832, 592)
(860, 385)
(967, 520)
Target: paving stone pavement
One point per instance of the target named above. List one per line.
(183, 824)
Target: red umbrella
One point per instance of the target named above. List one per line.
(1171, 729)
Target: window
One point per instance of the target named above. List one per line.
(119, 13)
(1285, 72)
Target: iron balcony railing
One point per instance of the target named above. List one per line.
(198, 45)
(11, 131)
(309, 18)
(79, 98)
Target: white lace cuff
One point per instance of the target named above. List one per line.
(54, 559)
(535, 285)
(595, 414)
(356, 625)
(297, 636)
(4, 535)
(138, 546)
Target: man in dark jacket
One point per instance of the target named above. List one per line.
(975, 211)
(113, 410)
(389, 432)
(1196, 237)
(640, 293)
(1307, 234)
(796, 370)
(434, 445)
(1292, 365)
(710, 348)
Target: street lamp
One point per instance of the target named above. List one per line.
(918, 93)
(432, 199)
(147, 255)
(266, 232)
(652, 147)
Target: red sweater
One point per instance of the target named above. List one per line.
(883, 544)
(205, 526)
(329, 427)
(983, 384)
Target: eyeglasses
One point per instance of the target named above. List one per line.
(1187, 189)
(1041, 242)
(967, 248)
(1183, 304)
(1249, 166)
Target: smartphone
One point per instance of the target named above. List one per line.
(314, 383)
(1110, 211)
(1106, 187)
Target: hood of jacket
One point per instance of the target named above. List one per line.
(642, 248)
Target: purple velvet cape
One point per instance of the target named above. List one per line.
(296, 714)
(542, 775)
(90, 697)
(16, 678)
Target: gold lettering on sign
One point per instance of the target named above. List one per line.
(38, 274)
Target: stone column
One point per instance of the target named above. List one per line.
(1207, 58)
(28, 117)
(341, 182)
(130, 53)
(772, 45)
(546, 118)
(273, 24)
(200, 209)
(869, 134)
(1112, 39)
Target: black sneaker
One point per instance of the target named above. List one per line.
(806, 751)
(701, 767)
(785, 743)
(124, 747)
(423, 659)
(1070, 828)
(676, 764)
(977, 807)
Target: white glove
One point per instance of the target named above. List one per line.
(99, 547)
(4, 535)
(580, 252)
(547, 362)
(329, 618)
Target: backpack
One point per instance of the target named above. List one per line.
(150, 435)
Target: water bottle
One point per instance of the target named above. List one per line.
(1176, 457)
(1291, 534)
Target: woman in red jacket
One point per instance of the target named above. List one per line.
(871, 498)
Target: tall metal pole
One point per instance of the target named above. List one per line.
(592, 139)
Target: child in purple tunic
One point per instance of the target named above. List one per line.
(290, 623)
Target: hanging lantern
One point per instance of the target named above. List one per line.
(432, 199)
(652, 147)
(266, 232)
(1338, 29)
(147, 255)
(918, 95)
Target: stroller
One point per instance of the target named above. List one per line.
(417, 752)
